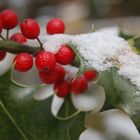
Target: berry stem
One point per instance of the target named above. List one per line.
(2, 37)
(15, 48)
(40, 43)
(93, 28)
(7, 34)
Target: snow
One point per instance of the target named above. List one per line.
(100, 50)
(96, 48)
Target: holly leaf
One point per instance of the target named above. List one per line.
(121, 94)
(23, 118)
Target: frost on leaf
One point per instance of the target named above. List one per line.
(101, 51)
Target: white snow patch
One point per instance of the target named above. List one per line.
(96, 48)
(99, 49)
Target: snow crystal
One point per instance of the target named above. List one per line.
(100, 50)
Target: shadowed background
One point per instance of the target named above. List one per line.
(80, 14)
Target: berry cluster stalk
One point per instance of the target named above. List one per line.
(16, 48)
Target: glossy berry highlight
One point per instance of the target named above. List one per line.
(90, 74)
(45, 60)
(65, 55)
(23, 62)
(2, 55)
(62, 89)
(30, 28)
(18, 37)
(79, 85)
(9, 19)
(55, 26)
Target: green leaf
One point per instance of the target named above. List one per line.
(121, 94)
(135, 44)
(107, 81)
(125, 36)
(23, 118)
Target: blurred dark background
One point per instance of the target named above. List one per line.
(78, 14)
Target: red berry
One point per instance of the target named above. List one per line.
(65, 55)
(2, 55)
(62, 89)
(90, 74)
(55, 76)
(48, 77)
(18, 37)
(79, 85)
(55, 26)
(30, 28)
(1, 26)
(9, 19)
(45, 60)
(60, 73)
(23, 62)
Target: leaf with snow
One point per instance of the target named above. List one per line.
(120, 93)
(104, 51)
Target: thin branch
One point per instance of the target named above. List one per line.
(40, 43)
(7, 34)
(13, 47)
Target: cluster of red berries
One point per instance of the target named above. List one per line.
(9, 20)
(51, 71)
(49, 65)
(29, 28)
